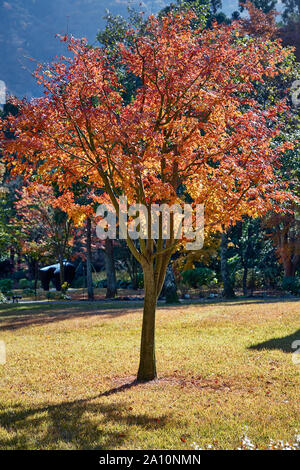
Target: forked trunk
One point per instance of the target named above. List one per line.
(147, 368)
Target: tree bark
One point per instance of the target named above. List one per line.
(36, 275)
(147, 367)
(228, 291)
(132, 268)
(89, 277)
(61, 270)
(31, 267)
(12, 259)
(19, 260)
(111, 290)
(290, 266)
(245, 276)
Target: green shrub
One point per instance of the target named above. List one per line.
(102, 284)
(3, 299)
(291, 284)
(79, 282)
(24, 283)
(140, 280)
(199, 277)
(6, 285)
(56, 295)
(17, 275)
(255, 278)
(49, 295)
(28, 292)
(121, 284)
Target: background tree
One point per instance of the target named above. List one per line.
(228, 291)
(79, 206)
(247, 240)
(8, 230)
(284, 229)
(266, 6)
(45, 229)
(260, 23)
(126, 261)
(291, 11)
(111, 290)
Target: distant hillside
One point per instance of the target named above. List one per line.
(28, 29)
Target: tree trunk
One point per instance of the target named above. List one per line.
(147, 367)
(132, 268)
(89, 277)
(12, 260)
(245, 276)
(31, 268)
(36, 275)
(110, 269)
(61, 270)
(19, 261)
(289, 267)
(228, 291)
(134, 280)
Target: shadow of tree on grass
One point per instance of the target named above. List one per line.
(16, 320)
(283, 344)
(79, 424)
(21, 316)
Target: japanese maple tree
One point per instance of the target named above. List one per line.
(45, 230)
(191, 132)
(284, 228)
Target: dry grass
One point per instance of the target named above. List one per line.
(69, 378)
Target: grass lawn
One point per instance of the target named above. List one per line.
(69, 378)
